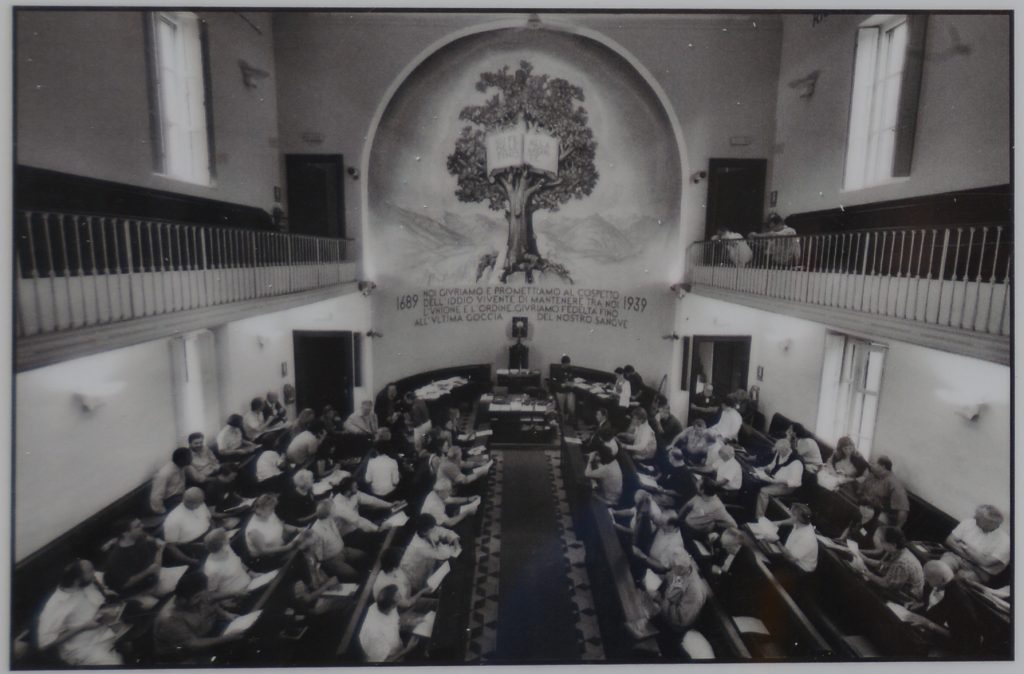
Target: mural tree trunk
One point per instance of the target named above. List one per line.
(529, 103)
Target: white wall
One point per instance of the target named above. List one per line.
(963, 125)
(953, 463)
(69, 463)
(82, 104)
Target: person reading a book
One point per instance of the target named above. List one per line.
(897, 569)
(329, 548)
(267, 538)
(440, 497)
(75, 622)
(801, 547)
(226, 575)
(428, 548)
(783, 475)
(946, 611)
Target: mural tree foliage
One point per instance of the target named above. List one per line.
(528, 102)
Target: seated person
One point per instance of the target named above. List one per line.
(681, 595)
(206, 470)
(639, 440)
(389, 407)
(312, 582)
(231, 440)
(430, 546)
(269, 473)
(690, 446)
(267, 538)
(666, 426)
(169, 482)
(862, 526)
(274, 412)
(845, 465)
(363, 421)
(453, 465)
(253, 422)
(809, 452)
(783, 475)
(897, 569)
(666, 546)
(186, 625)
(704, 405)
(305, 444)
(604, 427)
(643, 517)
(383, 474)
(705, 512)
(801, 545)
(74, 621)
(379, 635)
(345, 508)
(187, 523)
(947, 611)
(605, 474)
(411, 607)
(737, 251)
(331, 419)
(978, 548)
(728, 474)
(440, 497)
(729, 421)
(880, 487)
(297, 504)
(724, 550)
(225, 573)
(329, 548)
(135, 565)
(783, 248)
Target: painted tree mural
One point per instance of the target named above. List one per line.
(536, 107)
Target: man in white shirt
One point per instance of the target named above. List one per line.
(329, 548)
(642, 443)
(729, 422)
(73, 622)
(809, 453)
(382, 474)
(801, 546)
(728, 471)
(226, 575)
(253, 422)
(440, 497)
(379, 635)
(190, 520)
(363, 421)
(345, 508)
(784, 474)
(979, 549)
(431, 545)
(304, 446)
(623, 389)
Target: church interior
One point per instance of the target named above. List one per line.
(498, 337)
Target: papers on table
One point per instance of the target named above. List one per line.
(647, 480)
(854, 548)
(242, 623)
(434, 581)
(748, 625)
(426, 626)
(764, 529)
(437, 389)
(397, 520)
(343, 590)
(651, 581)
(262, 580)
(478, 450)
(476, 435)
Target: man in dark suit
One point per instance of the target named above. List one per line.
(947, 612)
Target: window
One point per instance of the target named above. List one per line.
(883, 105)
(181, 123)
(851, 380)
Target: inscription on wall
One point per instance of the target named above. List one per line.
(587, 306)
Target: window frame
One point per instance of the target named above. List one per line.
(841, 391)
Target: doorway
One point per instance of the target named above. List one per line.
(324, 370)
(735, 195)
(316, 194)
(721, 361)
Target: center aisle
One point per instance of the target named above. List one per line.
(535, 613)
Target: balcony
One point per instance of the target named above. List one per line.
(946, 288)
(85, 283)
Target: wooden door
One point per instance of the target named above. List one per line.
(325, 368)
(735, 195)
(316, 196)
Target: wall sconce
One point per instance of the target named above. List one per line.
(251, 75)
(970, 412)
(371, 334)
(698, 176)
(680, 289)
(366, 287)
(94, 395)
(88, 402)
(673, 336)
(805, 85)
(261, 341)
(785, 344)
(353, 172)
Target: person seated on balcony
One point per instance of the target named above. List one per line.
(312, 582)
(231, 441)
(603, 431)
(736, 251)
(206, 470)
(783, 475)
(810, 454)
(383, 475)
(978, 548)
(440, 497)
(74, 622)
(724, 550)
(844, 466)
(169, 482)
(946, 611)
(253, 422)
(329, 547)
(226, 575)
(297, 504)
(303, 447)
(896, 569)
(643, 517)
(880, 487)
(363, 421)
(186, 625)
(430, 546)
(380, 636)
(783, 248)
(729, 420)
(268, 470)
(605, 474)
(274, 410)
(705, 512)
(639, 439)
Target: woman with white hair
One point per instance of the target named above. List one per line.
(297, 504)
(681, 595)
(783, 475)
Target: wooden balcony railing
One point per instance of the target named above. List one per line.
(950, 277)
(75, 271)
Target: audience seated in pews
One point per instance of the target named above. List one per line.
(642, 520)
(253, 421)
(268, 469)
(783, 475)
(810, 454)
(274, 411)
(978, 548)
(440, 498)
(729, 421)
(705, 512)
(843, 466)
(429, 546)
(207, 471)
(945, 611)
(453, 467)
(380, 635)
(863, 524)
(345, 508)
(169, 482)
(78, 621)
(881, 488)
(329, 549)
(690, 446)
(226, 575)
(135, 566)
(896, 569)
(267, 538)
(605, 472)
(666, 426)
(185, 627)
(313, 582)
(297, 505)
(382, 476)
(639, 439)
(724, 550)
(728, 474)
(411, 606)
(186, 524)
(303, 447)
(801, 546)
(231, 442)
(667, 543)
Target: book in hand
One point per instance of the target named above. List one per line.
(426, 626)
(471, 508)
(343, 590)
(261, 580)
(478, 450)
(570, 440)
(434, 581)
(242, 623)
(764, 529)
(651, 581)
(397, 520)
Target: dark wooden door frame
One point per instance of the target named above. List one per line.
(293, 158)
(353, 366)
(712, 197)
(703, 339)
